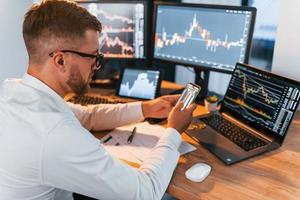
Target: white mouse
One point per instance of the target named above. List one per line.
(198, 172)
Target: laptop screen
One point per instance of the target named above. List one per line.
(265, 101)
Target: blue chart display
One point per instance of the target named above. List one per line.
(262, 99)
(139, 83)
(210, 37)
(122, 33)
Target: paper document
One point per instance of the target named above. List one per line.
(144, 140)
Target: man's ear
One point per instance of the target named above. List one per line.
(59, 61)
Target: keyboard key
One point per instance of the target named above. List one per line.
(234, 133)
(91, 100)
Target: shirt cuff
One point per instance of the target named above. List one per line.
(137, 106)
(172, 137)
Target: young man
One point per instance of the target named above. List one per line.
(46, 150)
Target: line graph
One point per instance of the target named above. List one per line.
(108, 15)
(256, 97)
(122, 33)
(252, 86)
(139, 83)
(109, 43)
(255, 93)
(142, 87)
(248, 115)
(202, 36)
(111, 29)
(242, 103)
(163, 39)
(261, 99)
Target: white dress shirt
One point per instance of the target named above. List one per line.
(47, 152)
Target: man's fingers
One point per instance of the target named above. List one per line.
(171, 98)
(191, 107)
(178, 106)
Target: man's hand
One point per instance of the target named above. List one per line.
(180, 120)
(160, 107)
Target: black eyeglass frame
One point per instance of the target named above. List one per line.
(99, 57)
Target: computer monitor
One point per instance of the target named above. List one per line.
(123, 27)
(212, 37)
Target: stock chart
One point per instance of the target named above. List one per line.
(122, 33)
(202, 36)
(262, 99)
(139, 83)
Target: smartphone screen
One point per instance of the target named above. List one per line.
(189, 94)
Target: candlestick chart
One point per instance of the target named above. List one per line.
(122, 33)
(259, 97)
(255, 97)
(202, 37)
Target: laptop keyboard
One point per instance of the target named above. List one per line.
(234, 133)
(87, 100)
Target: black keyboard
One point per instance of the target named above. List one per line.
(234, 133)
(87, 100)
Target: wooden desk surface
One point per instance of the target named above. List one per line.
(271, 176)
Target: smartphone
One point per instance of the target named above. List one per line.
(189, 95)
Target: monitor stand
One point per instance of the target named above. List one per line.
(201, 79)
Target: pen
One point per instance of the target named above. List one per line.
(107, 139)
(130, 138)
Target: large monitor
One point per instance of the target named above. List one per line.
(123, 27)
(213, 37)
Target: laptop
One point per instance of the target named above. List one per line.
(134, 84)
(254, 116)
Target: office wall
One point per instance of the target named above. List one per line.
(287, 46)
(221, 2)
(13, 54)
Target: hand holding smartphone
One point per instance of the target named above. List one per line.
(189, 95)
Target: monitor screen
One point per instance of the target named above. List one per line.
(203, 35)
(123, 27)
(263, 99)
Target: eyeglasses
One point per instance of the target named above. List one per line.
(99, 57)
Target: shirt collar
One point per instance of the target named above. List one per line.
(39, 85)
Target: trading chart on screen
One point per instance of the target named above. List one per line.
(262, 99)
(139, 83)
(122, 33)
(202, 36)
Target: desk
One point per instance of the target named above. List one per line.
(271, 176)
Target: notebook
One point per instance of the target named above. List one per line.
(254, 117)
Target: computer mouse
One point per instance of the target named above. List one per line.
(198, 172)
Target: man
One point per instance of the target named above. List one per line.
(46, 150)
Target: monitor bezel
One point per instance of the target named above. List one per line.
(276, 137)
(206, 6)
(157, 89)
(146, 27)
